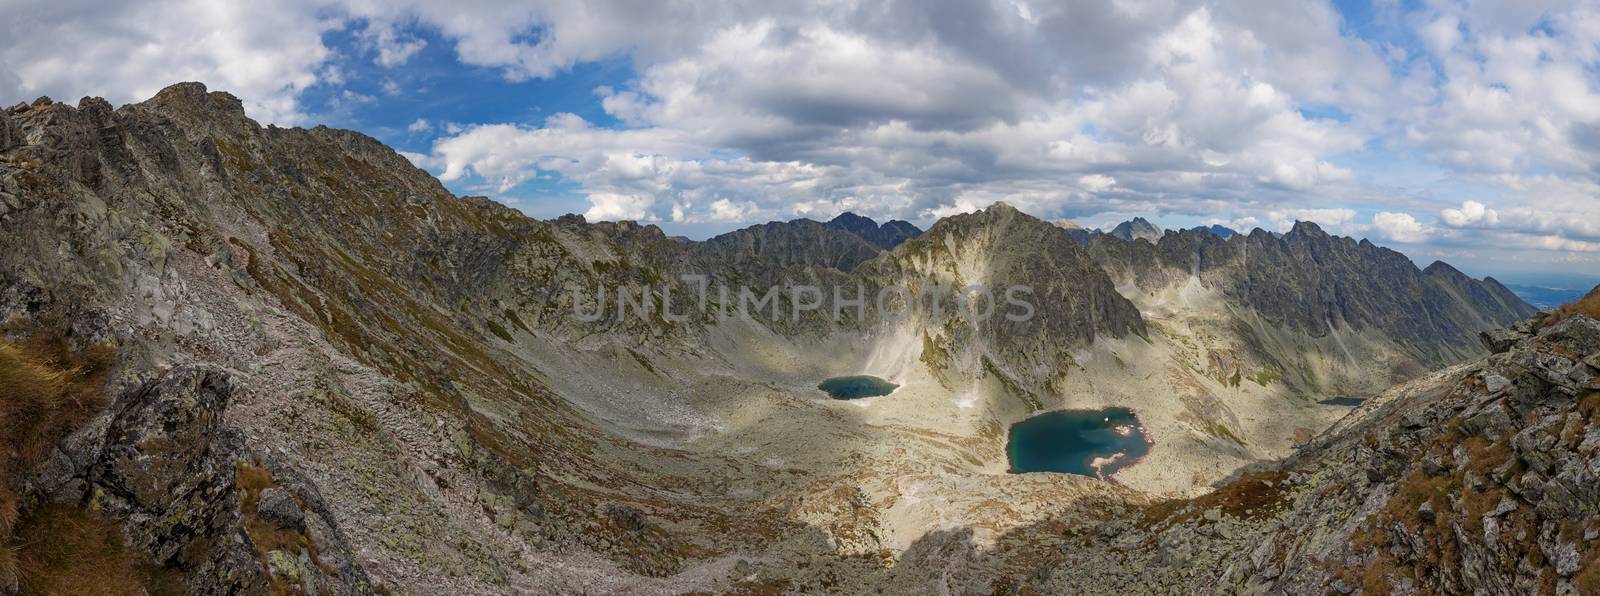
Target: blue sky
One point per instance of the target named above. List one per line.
(1462, 131)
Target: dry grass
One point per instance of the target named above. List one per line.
(65, 549)
(46, 391)
(251, 479)
(1254, 496)
(1588, 306)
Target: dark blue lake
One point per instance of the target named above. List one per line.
(856, 387)
(1094, 443)
(1343, 401)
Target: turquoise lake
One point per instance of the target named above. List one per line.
(1094, 443)
(857, 386)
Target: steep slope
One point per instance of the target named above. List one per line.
(342, 288)
(1000, 248)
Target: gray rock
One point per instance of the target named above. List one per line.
(1499, 340)
(1565, 557)
(277, 507)
(1495, 383)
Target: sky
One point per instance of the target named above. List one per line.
(1460, 131)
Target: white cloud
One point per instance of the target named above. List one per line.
(1400, 227)
(419, 125)
(724, 210)
(393, 47)
(613, 206)
(1332, 217)
(1471, 213)
(1097, 182)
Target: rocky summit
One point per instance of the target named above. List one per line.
(246, 359)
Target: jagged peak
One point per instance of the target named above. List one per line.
(1306, 228)
(1001, 207)
(194, 100)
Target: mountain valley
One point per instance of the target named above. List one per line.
(323, 372)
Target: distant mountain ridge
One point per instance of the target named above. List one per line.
(1314, 282)
(886, 236)
(1221, 231)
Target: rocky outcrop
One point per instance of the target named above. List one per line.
(1072, 300)
(163, 463)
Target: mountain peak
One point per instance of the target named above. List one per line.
(1001, 207)
(1136, 229)
(198, 108)
(1306, 228)
(886, 236)
(849, 217)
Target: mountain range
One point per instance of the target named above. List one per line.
(303, 365)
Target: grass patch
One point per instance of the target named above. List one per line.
(46, 391)
(251, 479)
(1220, 430)
(1254, 496)
(498, 330)
(66, 549)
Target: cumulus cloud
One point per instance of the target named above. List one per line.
(1334, 218)
(937, 109)
(613, 206)
(1400, 227)
(1471, 213)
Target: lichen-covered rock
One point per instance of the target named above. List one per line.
(163, 463)
(277, 507)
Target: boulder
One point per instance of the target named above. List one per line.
(277, 507)
(1499, 340)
